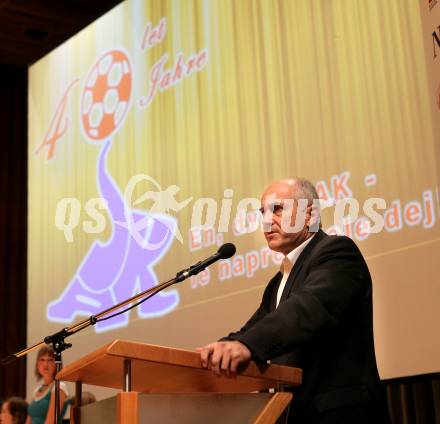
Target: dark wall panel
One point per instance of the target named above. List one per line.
(13, 226)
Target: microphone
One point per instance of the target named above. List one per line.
(224, 252)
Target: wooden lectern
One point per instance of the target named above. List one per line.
(165, 385)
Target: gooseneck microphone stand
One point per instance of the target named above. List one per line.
(57, 340)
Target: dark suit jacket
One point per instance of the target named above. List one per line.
(323, 325)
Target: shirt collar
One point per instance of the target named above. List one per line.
(290, 259)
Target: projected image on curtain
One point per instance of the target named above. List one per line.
(121, 267)
(161, 112)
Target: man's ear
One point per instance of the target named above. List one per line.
(308, 215)
(313, 218)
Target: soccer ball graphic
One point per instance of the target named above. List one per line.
(106, 95)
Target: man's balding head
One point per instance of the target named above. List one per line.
(287, 210)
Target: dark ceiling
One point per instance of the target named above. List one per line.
(31, 28)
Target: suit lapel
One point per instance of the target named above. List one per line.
(299, 263)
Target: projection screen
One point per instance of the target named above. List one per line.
(153, 132)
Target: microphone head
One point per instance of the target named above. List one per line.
(227, 250)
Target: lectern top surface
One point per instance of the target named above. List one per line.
(159, 369)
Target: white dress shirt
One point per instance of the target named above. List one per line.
(288, 264)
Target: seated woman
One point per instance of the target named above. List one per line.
(42, 406)
(14, 411)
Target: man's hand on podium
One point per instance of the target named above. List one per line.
(223, 358)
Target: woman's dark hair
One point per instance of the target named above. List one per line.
(45, 350)
(18, 408)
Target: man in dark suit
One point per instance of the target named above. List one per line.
(316, 314)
